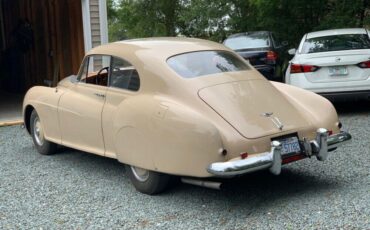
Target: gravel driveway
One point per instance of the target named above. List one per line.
(77, 190)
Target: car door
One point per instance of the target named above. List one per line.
(80, 108)
(124, 82)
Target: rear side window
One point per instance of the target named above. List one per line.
(248, 41)
(336, 43)
(195, 64)
(123, 75)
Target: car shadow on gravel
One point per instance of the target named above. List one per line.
(261, 187)
(87, 162)
(261, 191)
(289, 181)
(352, 107)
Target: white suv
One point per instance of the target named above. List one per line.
(333, 63)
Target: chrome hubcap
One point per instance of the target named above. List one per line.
(38, 131)
(140, 173)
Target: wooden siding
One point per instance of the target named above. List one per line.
(95, 30)
(95, 23)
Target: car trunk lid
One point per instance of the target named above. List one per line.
(337, 66)
(255, 108)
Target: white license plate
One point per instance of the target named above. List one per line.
(290, 145)
(338, 70)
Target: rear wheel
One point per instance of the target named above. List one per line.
(42, 145)
(147, 181)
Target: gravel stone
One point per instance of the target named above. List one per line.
(72, 189)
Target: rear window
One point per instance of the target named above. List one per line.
(248, 41)
(336, 43)
(195, 64)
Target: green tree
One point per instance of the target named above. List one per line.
(116, 28)
(346, 13)
(204, 19)
(141, 18)
(215, 20)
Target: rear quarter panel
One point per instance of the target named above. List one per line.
(316, 108)
(160, 134)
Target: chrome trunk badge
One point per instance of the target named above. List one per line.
(274, 120)
(268, 114)
(277, 122)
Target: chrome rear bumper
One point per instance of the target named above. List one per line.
(272, 160)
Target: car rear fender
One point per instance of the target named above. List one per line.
(314, 107)
(166, 136)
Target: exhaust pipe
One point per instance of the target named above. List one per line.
(202, 183)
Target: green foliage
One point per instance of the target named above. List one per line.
(142, 18)
(216, 19)
(204, 19)
(346, 13)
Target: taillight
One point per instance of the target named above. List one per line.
(365, 64)
(244, 155)
(296, 68)
(272, 56)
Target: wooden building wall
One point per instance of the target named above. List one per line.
(57, 46)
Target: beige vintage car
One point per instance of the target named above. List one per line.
(180, 107)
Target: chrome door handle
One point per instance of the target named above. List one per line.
(99, 95)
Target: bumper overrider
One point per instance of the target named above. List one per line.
(272, 160)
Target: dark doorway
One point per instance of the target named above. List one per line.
(40, 41)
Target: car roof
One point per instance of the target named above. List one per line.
(324, 33)
(161, 47)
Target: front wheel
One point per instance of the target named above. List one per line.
(42, 145)
(146, 181)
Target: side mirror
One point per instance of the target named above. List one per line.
(292, 51)
(73, 79)
(285, 43)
